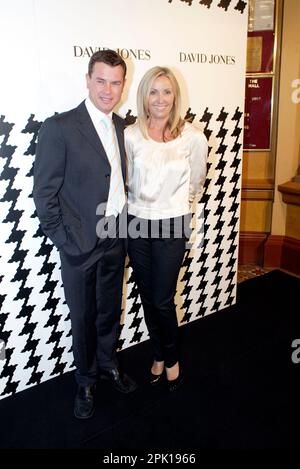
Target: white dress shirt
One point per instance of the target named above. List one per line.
(103, 124)
(164, 177)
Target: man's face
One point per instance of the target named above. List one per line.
(105, 86)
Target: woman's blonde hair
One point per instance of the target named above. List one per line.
(175, 122)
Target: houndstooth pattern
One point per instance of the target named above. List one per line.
(236, 5)
(34, 318)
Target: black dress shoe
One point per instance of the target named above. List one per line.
(84, 406)
(156, 379)
(175, 383)
(121, 382)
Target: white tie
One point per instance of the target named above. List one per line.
(116, 197)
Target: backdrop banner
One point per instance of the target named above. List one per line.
(45, 46)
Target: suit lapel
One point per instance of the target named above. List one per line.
(86, 127)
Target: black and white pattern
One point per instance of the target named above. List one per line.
(209, 272)
(34, 320)
(34, 317)
(35, 329)
(238, 5)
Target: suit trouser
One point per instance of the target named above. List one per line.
(93, 290)
(156, 264)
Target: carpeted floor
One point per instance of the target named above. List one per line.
(247, 271)
(241, 387)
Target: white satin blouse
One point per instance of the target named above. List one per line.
(164, 177)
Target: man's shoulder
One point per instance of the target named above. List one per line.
(60, 122)
(62, 117)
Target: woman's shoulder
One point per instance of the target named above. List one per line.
(132, 130)
(193, 131)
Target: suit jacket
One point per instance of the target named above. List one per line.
(72, 177)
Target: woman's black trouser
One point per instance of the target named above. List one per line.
(156, 263)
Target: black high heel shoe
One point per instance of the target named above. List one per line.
(175, 383)
(156, 379)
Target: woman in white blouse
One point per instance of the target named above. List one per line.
(166, 169)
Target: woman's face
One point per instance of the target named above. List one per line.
(161, 98)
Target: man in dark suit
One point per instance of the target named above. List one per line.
(79, 176)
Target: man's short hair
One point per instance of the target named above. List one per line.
(109, 57)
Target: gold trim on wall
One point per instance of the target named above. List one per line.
(259, 164)
(275, 82)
